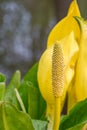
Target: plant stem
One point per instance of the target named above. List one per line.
(57, 114)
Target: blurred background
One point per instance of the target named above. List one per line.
(24, 28)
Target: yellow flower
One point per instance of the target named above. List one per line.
(65, 34)
(70, 51)
(45, 66)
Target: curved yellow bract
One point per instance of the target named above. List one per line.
(66, 33)
(81, 68)
(45, 76)
(74, 9)
(45, 67)
(65, 26)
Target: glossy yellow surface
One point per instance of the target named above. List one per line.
(65, 26)
(66, 33)
(70, 50)
(81, 68)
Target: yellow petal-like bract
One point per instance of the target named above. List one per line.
(81, 68)
(45, 66)
(78, 89)
(65, 34)
(74, 9)
(65, 26)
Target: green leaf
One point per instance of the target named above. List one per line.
(10, 93)
(2, 77)
(76, 117)
(15, 81)
(32, 75)
(78, 127)
(33, 101)
(12, 119)
(39, 125)
(30, 94)
(23, 91)
(2, 90)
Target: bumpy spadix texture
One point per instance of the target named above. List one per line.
(66, 32)
(58, 70)
(70, 51)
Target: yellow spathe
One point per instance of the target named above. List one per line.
(81, 68)
(74, 9)
(66, 33)
(70, 50)
(78, 88)
(65, 26)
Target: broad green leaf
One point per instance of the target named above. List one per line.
(12, 119)
(15, 81)
(39, 125)
(30, 94)
(78, 127)
(2, 90)
(35, 102)
(10, 93)
(2, 77)
(76, 117)
(31, 75)
(23, 91)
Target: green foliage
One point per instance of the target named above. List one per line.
(2, 77)
(39, 125)
(2, 90)
(30, 94)
(13, 119)
(32, 75)
(76, 118)
(2, 86)
(10, 93)
(12, 115)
